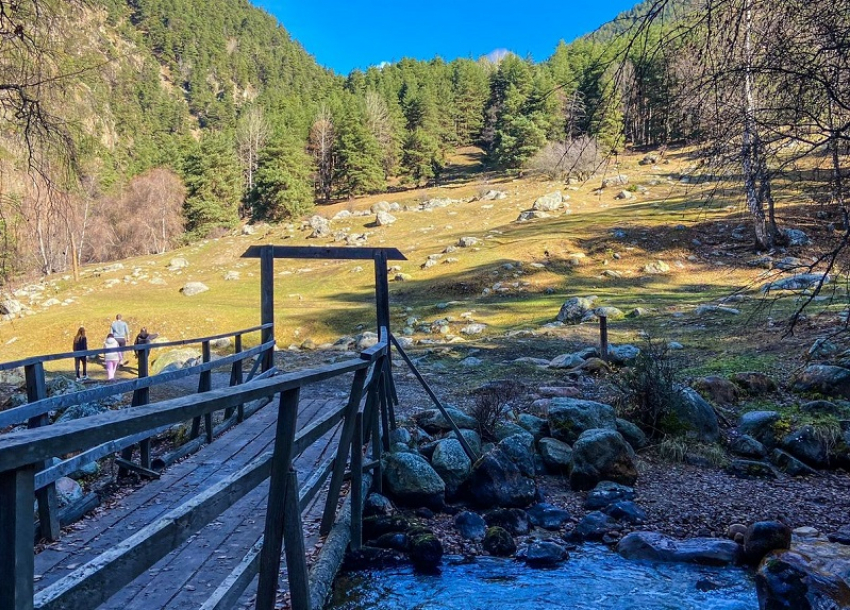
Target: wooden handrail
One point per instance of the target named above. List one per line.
(40, 407)
(5, 366)
(26, 447)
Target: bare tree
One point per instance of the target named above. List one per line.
(321, 147)
(380, 123)
(252, 133)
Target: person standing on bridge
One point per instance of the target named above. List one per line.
(111, 359)
(81, 344)
(121, 332)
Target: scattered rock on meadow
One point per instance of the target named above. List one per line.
(190, 289)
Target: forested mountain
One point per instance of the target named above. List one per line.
(134, 124)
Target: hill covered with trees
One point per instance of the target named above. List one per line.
(134, 125)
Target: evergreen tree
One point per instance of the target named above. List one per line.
(423, 157)
(283, 187)
(214, 184)
(359, 167)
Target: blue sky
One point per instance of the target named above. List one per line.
(344, 35)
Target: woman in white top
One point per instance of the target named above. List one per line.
(111, 359)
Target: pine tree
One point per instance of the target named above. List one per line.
(283, 186)
(359, 156)
(423, 158)
(214, 186)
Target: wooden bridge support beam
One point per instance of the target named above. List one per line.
(17, 532)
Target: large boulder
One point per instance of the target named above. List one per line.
(321, 226)
(575, 309)
(520, 448)
(537, 426)
(833, 381)
(607, 493)
(550, 202)
(653, 546)
(498, 542)
(190, 289)
(634, 436)
(788, 581)
(754, 383)
(411, 480)
(763, 537)
(593, 526)
(545, 553)
(470, 525)
(748, 447)
(547, 516)
(717, 389)
(557, 456)
(569, 417)
(497, 481)
(452, 464)
(761, 425)
(174, 360)
(602, 455)
(808, 446)
(693, 417)
(514, 520)
(432, 420)
(790, 465)
(425, 551)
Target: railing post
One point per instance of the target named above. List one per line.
(236, 379)
(204, 385)
(17, 532)
(48, 506)
(382, 292)
(142, 396)
(267, 302)
(296, 556)
(603, 338)
(377, 447)
(338, 475)
(357, 484)
(277, 502)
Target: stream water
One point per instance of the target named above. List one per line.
(593, 578)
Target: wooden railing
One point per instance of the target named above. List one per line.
(22, 453)
(35, 412)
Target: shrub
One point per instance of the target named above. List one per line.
(578, 158)
(492, 402)
(648, 391)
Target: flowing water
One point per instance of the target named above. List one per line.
(593, 578)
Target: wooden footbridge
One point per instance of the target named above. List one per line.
(207, 532)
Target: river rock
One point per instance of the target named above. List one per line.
(807, 446)
(68, 491)
(506, 429)
(607, 493)
(570, 417)
(574, 310)
(718, 390)
(602, 455)
(790, 465)
(788, 581)
(593, 526)
(623, 355)
(748, 447)
(426, 551)
(653, 546)
(545, 553)
(497, 481)
(472, 438)
(411, 480)
(557, 456)
(761, 425)
(566, 361)
(824, 379)
(394, 541)
(626, 512)
(190, 289)
(514, 520)
(763, 537)
(519, 448)
(754, 383)
(498, 542)
(377, 504)
(470, 525)
(751, 469)
(452, 464)
(432, 420)
(536, 426)
(695, 417)
(547, 516)
(634, 436)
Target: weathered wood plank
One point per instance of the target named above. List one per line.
(95, 582)
(48, 504)
(30, 446)
(339, 253)
(357, 484)
(275, 511)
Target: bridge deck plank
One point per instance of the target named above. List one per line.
(184, 578)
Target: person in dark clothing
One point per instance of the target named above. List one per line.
(143, 338)
(81, 344)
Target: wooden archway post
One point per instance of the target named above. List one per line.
(267, 301)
